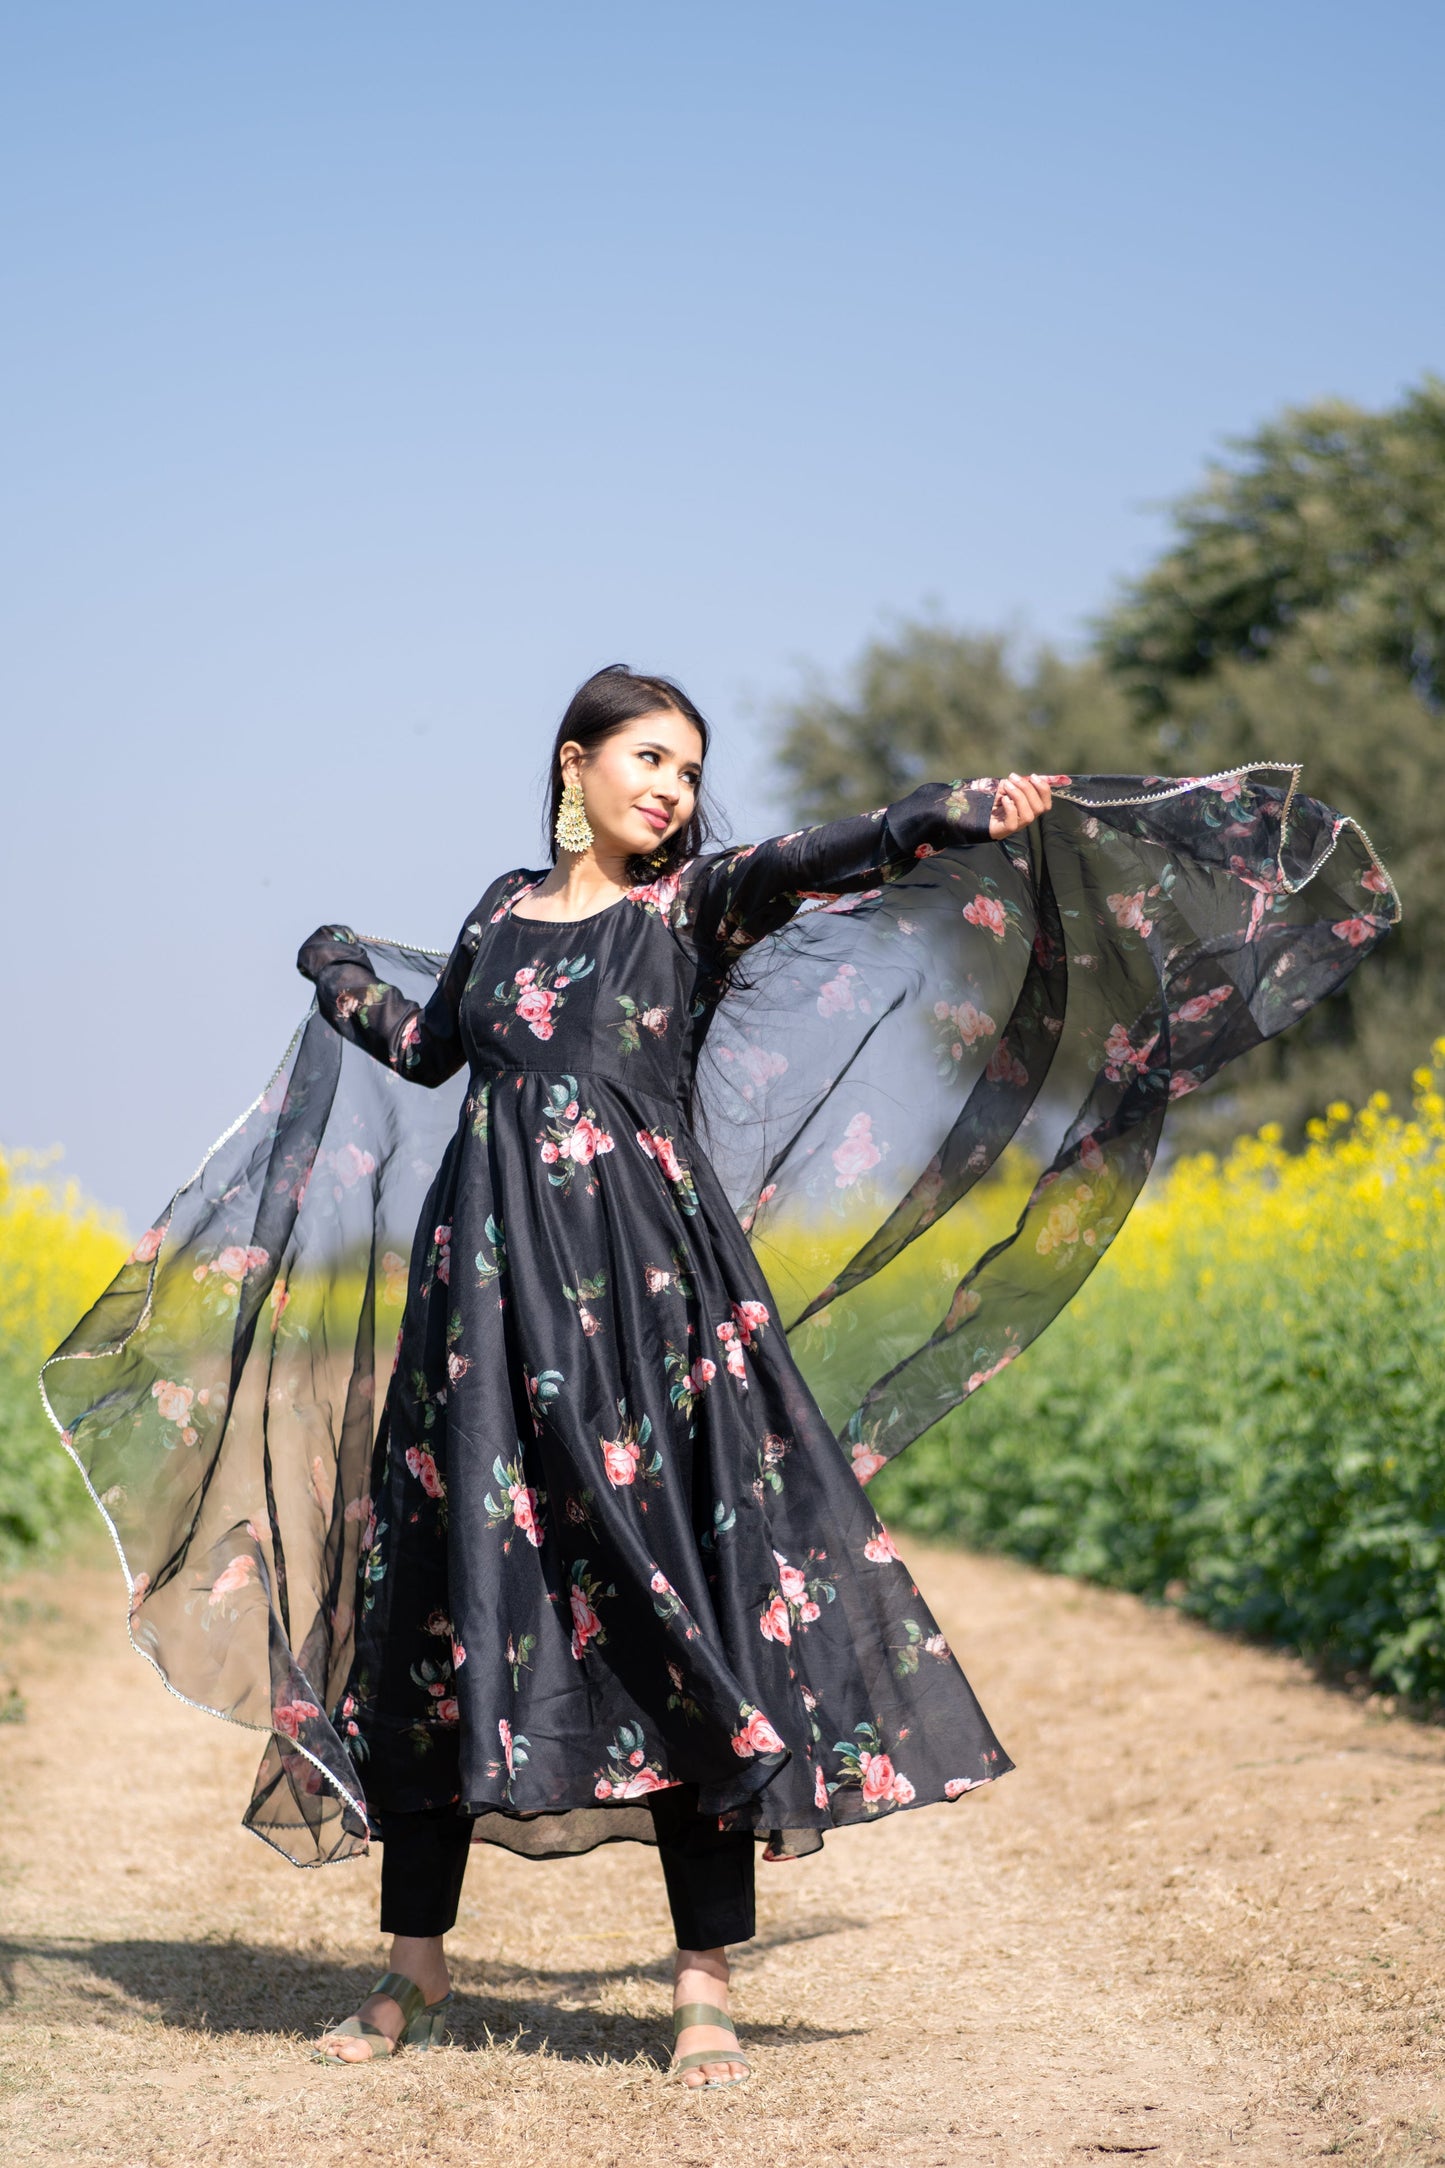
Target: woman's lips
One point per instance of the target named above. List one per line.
(654, 820)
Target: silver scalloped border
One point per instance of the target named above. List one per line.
(117, 1346)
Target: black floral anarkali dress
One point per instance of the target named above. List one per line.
(592, 1521)
(615, 1545)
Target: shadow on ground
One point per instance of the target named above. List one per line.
(236, 1987)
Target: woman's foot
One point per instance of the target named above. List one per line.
(419, 1958)
(702, 1976)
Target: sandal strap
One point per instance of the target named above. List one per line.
(409, 1998)
(357, 2028)
(711, 2055)
(703, 2013)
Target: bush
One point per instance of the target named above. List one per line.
(1244, 1409)
(57, 1253)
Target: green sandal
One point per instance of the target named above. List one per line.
(707, 2013)
(423, 2023)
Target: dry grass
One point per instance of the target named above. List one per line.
(1198, 1924)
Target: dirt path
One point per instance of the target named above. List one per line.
(1200, 1923)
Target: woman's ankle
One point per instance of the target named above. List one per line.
(422, 1958)
(713, 1964)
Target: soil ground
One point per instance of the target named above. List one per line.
(1200, 1923)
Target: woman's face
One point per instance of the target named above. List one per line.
(641, 784)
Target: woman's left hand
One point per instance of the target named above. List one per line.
(1018, 800)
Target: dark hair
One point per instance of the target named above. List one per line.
(602, 705)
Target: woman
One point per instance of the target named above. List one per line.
(601, 1568)
(589, 1385)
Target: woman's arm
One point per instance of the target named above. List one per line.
(739, 895)
(422, 1044)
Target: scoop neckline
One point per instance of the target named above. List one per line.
(514, 913)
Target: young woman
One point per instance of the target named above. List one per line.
(585, 1395)
(590, 1559)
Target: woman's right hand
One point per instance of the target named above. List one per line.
(1018, 800)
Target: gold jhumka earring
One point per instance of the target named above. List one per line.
(573, 830)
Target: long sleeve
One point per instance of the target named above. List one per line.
(422, 1043)
(737, 896)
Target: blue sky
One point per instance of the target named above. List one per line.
(373, 373)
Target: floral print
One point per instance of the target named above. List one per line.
(628, 1773)
(589, 1518)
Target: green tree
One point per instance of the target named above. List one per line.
(1298, 613)
(935, 701)
(1325, 531)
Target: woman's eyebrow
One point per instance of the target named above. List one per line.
(650, 745)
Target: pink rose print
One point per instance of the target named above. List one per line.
(881, 1549)
(586, 1141)
(535, 1005)
(857, 1152)
(757, 1735)
(727, 1332)
(423, 1466)
(1355, 930)
(291, 1715)
(820, 1791)
(659, 1146)
(524, 1512)
(773, 1622)
(235, 1576)
(174, 1401)
(657, 895)
(981, 1377)
(586, 1625)
(1120, 1055)
(620, 1457)
(794, 1584)
(837, 995)
(866, 1463)
(1375, 881)
(645, 1781)
(702, 1373)
(443, 1240)
(751, 1318)
(769, 1189)
(957, 1785)
(1129, 911)
(878, 1777)
(352, 1165)
(1198, 1006)
(1004, 1067)
(147, 1246)
(988, 912)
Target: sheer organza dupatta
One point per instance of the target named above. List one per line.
(873, 1066)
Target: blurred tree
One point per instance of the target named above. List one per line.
(1328, 527)
(1368, 744)
(1297, 615)
(934, 701)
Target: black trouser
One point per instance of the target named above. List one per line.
(708, 1871)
